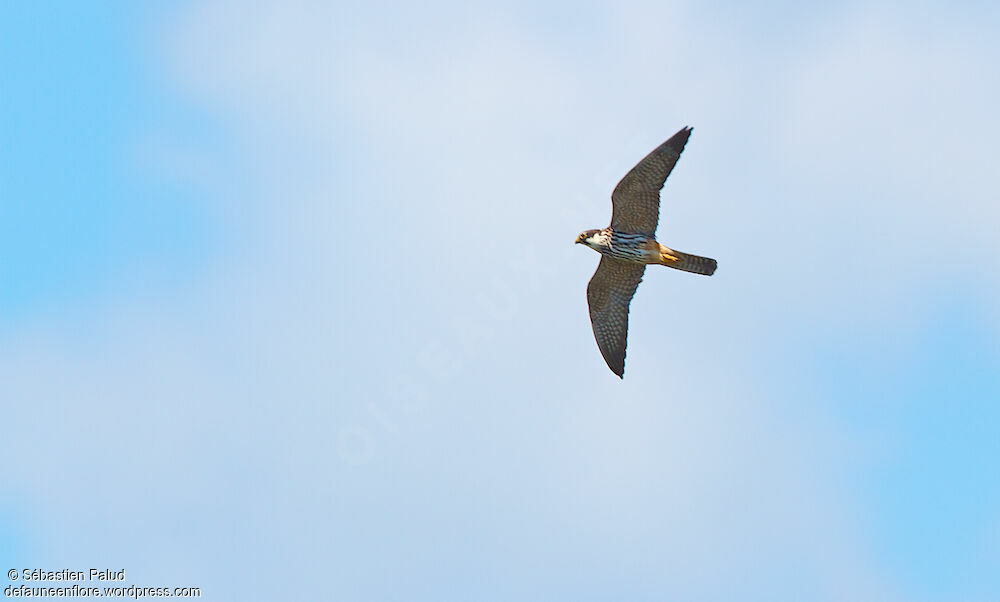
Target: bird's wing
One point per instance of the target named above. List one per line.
(609, 294)
(636, 198)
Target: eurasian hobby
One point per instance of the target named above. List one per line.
(628, 245)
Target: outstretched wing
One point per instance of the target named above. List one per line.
(609, 294)
(636, 198)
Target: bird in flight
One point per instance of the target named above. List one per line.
(628, 245)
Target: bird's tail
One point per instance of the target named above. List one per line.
(689, 263)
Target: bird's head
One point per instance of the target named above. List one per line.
(587, 237)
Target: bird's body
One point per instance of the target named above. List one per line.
(628, 245)
(644, 250)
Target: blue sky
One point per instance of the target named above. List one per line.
(81, 210)
(293, 287)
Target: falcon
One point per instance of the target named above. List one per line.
(628, 245)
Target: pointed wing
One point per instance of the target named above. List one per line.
(609, 294)
(636, 198)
